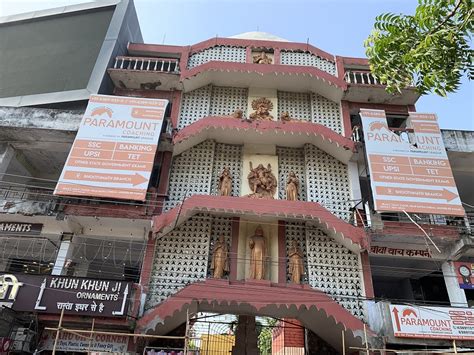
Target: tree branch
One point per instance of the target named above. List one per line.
(447, 18)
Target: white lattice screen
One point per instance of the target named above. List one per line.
(307, 59)
(326, 112)
(221, 226)
(296, 231)
(191, 173)
(297, 104)
(225, 100)
(327, 181)
(180, 259)
(291, 159)
(335, 270)
(230, 156)
(218, 53)
(194, 106)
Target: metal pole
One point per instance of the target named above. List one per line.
(365, 337)
(91, 337)
(343, 344)
(57, 331)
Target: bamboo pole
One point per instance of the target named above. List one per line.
(57, 331)
(186, 333)
(343, 343)
(454, 346)
(366, 342)
(91, 337)
(117, 333)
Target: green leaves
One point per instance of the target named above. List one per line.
(430, 49)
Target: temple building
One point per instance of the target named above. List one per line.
(263, 211)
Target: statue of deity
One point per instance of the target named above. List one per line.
(285, 117)
(258, 254)
(262, 107)
(262, 182)
(225, 183)
(292, 184)
(220, 262)
(262, 58)
(295, 263)
(238, 114)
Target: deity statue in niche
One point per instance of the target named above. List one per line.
(262, 182)
(262, 107)
(295, 263)
(292, 185)
(262, 58)
(285, 117)
(258, 254)
(238, 114)
(225, 183)
(220, 262)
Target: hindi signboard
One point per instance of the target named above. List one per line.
(52, 294)
(432, 322)
(413, 174)
(114, 150)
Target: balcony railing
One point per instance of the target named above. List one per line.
(361, 78)
(164, 65)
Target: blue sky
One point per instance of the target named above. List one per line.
(336, 26)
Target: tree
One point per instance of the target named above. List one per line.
(429, 49)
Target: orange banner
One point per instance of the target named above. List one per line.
(442, 194)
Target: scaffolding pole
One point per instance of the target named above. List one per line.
(57, 331)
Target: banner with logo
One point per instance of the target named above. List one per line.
(74, 342)
(465, 274)
(74, 295)
(113, 153)
(432, 322)
(409, 172)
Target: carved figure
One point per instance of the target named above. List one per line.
(262, 107)
(258, 254)
(220, 261)
(292, 185)
(238, 114)
(262, 182)
(262, 58)
(285, 117)
(295, 263)
(225, 183)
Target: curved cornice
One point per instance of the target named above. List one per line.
(312, 307)
(351, 237)
(277, 76)
(231, 130)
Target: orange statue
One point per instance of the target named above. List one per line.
(262, 58)
(262, 107)
(295, 263)
(220, 262)
(262, 182)
(292, 185)
(225, 183)
(285, 117)
(258, 254)
(238, 114)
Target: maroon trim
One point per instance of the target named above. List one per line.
(265, 69)
(340, 68)
(281, 252)
(147, 261)
(409, 229)
(346, 118)
(151, 94)
(143, 47)
(176, 101)
(238, 206)
(303, 129)
(183, 62)
(367, 275)
(277, 56)
(411, 108)
(234, 249)
(355, 61)
(396, 109)
(237, 42)
(258, 295)
(164, 173)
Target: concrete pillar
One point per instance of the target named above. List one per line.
(64, 253)
(457, 296)
(7, 153)
(245, 337)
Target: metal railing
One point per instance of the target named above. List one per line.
(164, 65)
(361, 78)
